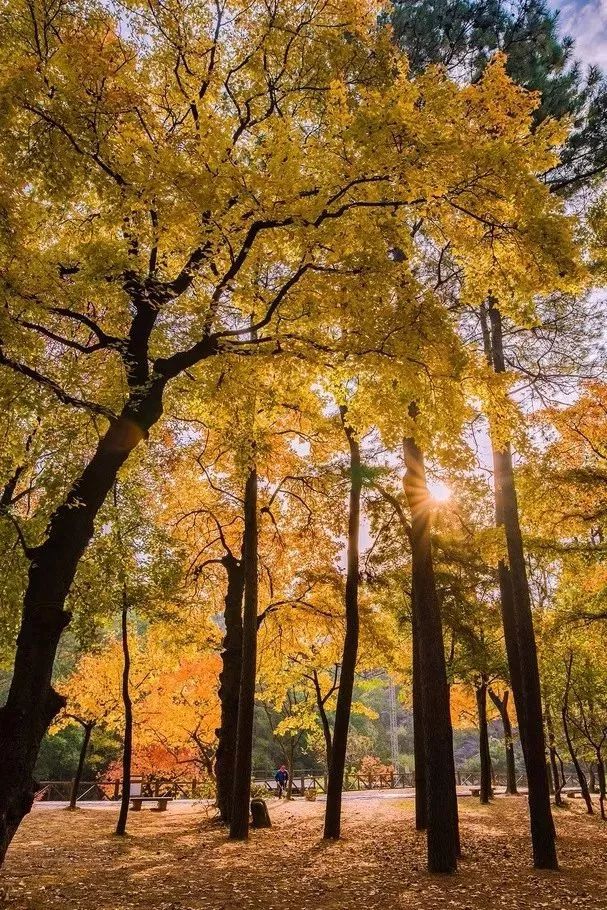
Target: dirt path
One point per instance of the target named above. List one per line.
(180, 860)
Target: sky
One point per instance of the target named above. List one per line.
(586, 21)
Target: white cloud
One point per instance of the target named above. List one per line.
(587, 23)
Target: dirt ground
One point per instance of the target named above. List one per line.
(181, 860)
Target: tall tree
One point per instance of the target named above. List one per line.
(134, 281)
(332, 828)
(239, 815)
(442, 822)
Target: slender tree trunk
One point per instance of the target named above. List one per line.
(442, 825)
(531, 725)
(350, 652)
(602, 782)
(552, 751)
(483, 734)
(32, 703)
(324, 720)
(127, 752)
(229, 685)
(576, 763)
(502, 706)
(421, 796)
(290, 765)
(569, 740)
(88, 729)
(239, 822)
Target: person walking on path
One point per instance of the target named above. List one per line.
(282, 779)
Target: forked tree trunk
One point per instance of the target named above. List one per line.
(442, 825)
(229, 685)
(486, 791)
(87, 726)
(127, 752)
(32, 703)
(531, 724)
(335, 783)
(502, 706)
(421, 797)
(239, 822)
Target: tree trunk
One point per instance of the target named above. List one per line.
(127, 752)
(502, 706)
(552, 751)
(290, 764)
(332, 827)
(88, 729)
(229, 685)
(486, 791)
(442, 825)
(32, 703)
(239, 822)
(602, 782)
(508, 610)
(576, 763)
(531, 725)
(326, 728)
(421, 807)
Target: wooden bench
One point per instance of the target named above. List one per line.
(161, 802)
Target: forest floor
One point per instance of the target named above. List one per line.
(181, 860)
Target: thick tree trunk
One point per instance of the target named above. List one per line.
(127, 751)
(442, 825)
(32, 703)
(332, 827)
(421, 797)
(486, 791)
(502, 706)
(88, 729)
(229, 685)
(239, 822)
(529, 706)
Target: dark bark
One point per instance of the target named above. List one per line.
(32, 702)
(576, 763)
(442, 825)
(602, 783)
(569, 740)
(553, 756)
(127, 750)
(486, 791)
(239, 822)
(502, 706)
(531, 725)
(88, 729)
(229, 685)
(421, 807)
(341, 725)
(324, 720)
(508, 610)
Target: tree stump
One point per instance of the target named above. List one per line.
(260, 814)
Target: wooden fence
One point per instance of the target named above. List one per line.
(192, 788)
